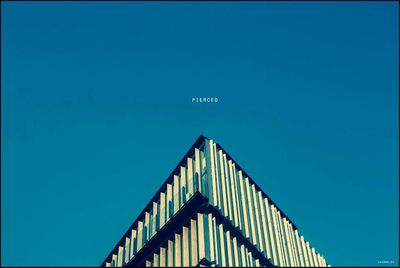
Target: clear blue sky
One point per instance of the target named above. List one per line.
(95, 94)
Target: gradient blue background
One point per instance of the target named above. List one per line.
(96, 113)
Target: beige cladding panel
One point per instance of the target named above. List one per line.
(213, 174)
(324, 261)
(162, 209)
(233, 190)
(203, 162)
(127, 250)
(319, 260)
(247, 258)
(120, 256)
(292, 249)
(183, 186)
(251, 215)
(244, 206)
(133, 239)
(139, 236)
(176, 194)
(197, 167)
(222, 244)
(294, 245)
(287, 243)
(283, 240)
(146, 225)
(305, 252)
(224, 194)
(185, 246)
(170, 253)
(264, 224)
(218, 177)
(114, 260)
(211, 236)
(271, 232)
(260, 245)
(243, 256)
(229, 255)
(155, 215)
(163, 257)
(314, 257)
(168, 202)
(155, 260)
(235, 252)
(277, 236)
(177, 250)
(309, 254)
(190, 175)
(299, 248)
(193, 241)
(228, 188)
(253, 261)
(200, 235)
(237, 194)
(216, 237)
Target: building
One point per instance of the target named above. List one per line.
(209, 212)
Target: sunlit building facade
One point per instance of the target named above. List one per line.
(209, 212)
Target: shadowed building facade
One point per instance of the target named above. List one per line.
(209, 212)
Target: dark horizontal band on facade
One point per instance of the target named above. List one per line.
(196, 204)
